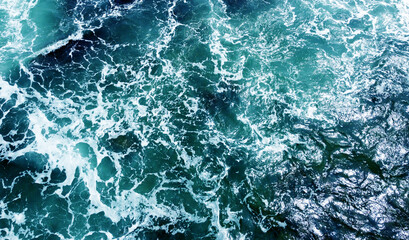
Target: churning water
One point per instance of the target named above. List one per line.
(204, 119)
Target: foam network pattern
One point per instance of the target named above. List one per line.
(195, 119)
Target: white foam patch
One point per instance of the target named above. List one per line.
(19, 218)
(6, 90)
(17, 12)
(223, 233)
(59, 149)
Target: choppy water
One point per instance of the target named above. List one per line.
(228, 119)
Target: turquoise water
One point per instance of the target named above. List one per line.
(228, 119)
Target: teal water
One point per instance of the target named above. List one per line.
(219, 119)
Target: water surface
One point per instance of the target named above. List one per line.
(228, 119)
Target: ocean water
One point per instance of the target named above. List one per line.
(204, 119)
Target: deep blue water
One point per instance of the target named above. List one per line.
(219, 119)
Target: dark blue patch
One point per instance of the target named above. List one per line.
(248, 6)
(31, 161)
(14, 125)
(58, 175)
(121, 2)
(122, 143)
(73, 51)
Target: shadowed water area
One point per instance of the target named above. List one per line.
(219, 119)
